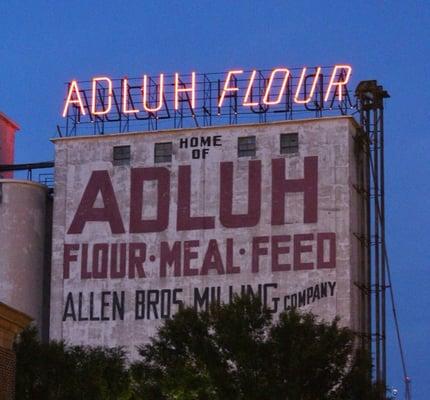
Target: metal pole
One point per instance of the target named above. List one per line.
(370, 97)
(375, 181)
(383, 259)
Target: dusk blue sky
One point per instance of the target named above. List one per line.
(46, 43)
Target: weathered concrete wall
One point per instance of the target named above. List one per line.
(22, 246)
(102, 295)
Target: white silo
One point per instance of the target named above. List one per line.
(23, 255)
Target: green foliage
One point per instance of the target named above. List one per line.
(237, 351)
(232, 352)
(55, 371)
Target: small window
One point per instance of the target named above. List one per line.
(289, 143)
(163, 152)
(121, 155)
(246, 146)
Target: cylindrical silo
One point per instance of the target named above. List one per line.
(23, 213)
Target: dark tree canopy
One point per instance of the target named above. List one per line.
(235, 351)
(238, 351)
(55, 371)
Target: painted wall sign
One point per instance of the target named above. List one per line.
(134, 243)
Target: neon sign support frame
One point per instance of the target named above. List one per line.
(104, 105)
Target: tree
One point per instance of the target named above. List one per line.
(239, 351)
(55, 371)
(233, 351)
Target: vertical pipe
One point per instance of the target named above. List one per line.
(383, 260)
(359, 180)
(369, 227)
(368, 220)
(371, 113)
(364, 245)
(376, 243)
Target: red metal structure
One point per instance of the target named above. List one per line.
(8, 128)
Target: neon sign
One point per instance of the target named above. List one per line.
(206, 97)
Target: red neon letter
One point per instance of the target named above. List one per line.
(227, 88)
(160, 94)
(269, 86)
(299, 87)
(184, 90)
(338, 84)
(125, 109)
(94, 98)
(73, 88)
(246, 101)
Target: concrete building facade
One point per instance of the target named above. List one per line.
(145, 223)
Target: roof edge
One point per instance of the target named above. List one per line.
(23, 182)
(206, 128)
(10, 121)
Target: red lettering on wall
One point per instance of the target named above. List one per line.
(190, 255)
(300, 248)
(85, 273)
(258, 251)
(185, 221)
(252, 217)
(230, 267)
(308, 185)
(136, 257)
(99, 182)
(212, 259)
(113, 260)
(138, 177)
(277, 250)
(68, 257)
(170, 256)
(329, 237)
(100, 186)
(118, 269)
(100, 260)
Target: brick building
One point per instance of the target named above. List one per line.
(11, 323)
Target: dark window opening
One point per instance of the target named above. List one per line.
(163, 152)
(289, 143)
(121, 155)
(246, 146)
